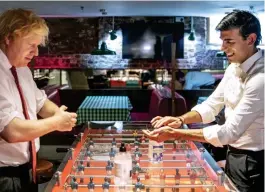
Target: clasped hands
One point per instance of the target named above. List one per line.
(65, 121)
(165, 128)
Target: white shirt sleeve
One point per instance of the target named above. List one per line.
(249, 108)
(7, 109)
(40, 97)
(213, 104)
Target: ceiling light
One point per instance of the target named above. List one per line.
(112, 33)
(191, 36)
(103, 50)
(192, 32)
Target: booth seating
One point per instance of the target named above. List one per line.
(161, 105)
(52, 92)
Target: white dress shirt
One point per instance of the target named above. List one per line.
(241, 91)
(15, 154)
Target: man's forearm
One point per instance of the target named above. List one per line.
(191, 117)
(19, 130)
(48, 109)
(190, 134)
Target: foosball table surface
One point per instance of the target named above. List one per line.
(87, 163)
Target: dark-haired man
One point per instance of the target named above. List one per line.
(241, 91)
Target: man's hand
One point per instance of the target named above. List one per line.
(174, 122)
(161, 134)
(65, 121)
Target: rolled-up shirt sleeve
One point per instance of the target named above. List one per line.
(7, 109)
(41, 97)
(213, 104)
(249, 108)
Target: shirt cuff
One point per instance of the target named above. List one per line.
(210, 135)
(41, 101)
(206, 115)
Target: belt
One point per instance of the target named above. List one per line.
(243, 151)
(19, 171)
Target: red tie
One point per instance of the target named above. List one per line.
(32, 147)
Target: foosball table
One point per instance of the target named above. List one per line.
(88, 166)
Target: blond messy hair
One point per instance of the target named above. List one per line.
(21, 23)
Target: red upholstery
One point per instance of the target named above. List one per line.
(154, 106)
(53, 93)
(140, 116)
(161, 105)
(180, 103)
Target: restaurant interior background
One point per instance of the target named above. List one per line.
(74, 64)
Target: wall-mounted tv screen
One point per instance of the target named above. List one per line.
(152, 41)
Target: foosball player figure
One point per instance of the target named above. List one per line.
(138, 185)
(162, 174)
(122, 147)
(112, 153)
(174, 152)
(74, 184)
(193, 177)
(105, 185)
(113, 143)
(162, 178)
(134, 175)
(177, 180)
(135, 171)
(109, 180)
(128, 147)
(81, 169)
(136, 143)
(188, 168)
(134, 162)
(147, 175)
(91, 144)
(65, 186)
(109, 168)
(143, 139)
(88, 163)
(174, 145)
(91, 185)
(177, 177)
(137, 168)
(135, 133)
(88, 154)
(188, 158)
(138, 152)
(137, 159)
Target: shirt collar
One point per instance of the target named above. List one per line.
(4, 61)
(245, 66)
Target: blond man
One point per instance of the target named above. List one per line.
(21, 32)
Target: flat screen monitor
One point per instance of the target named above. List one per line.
(152, 41)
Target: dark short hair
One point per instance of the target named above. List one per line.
(245, 21)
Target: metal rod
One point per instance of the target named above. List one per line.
(173, 76)
(156, 186)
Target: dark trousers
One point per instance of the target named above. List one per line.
(17, 179)
(245, 169)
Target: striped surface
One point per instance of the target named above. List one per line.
(104, 108)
